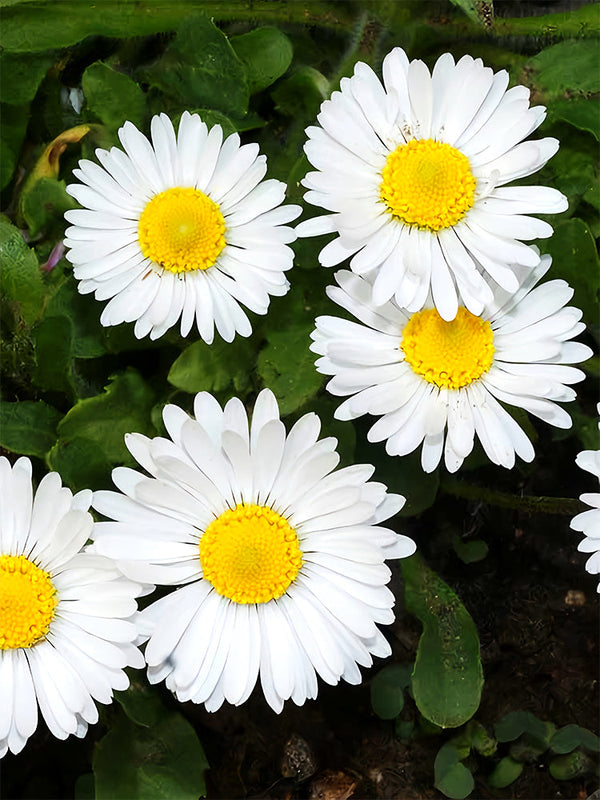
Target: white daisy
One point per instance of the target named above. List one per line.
(434, 381)
(66, 629)
(183, 228)
(415, 172)
(588, 522)
(282, 556)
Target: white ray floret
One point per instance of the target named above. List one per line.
(588, 522)
(279, 558)
(416, 173)
(67, 617)
(181, 230)
(441, 384)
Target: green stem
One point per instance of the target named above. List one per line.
(530, 504)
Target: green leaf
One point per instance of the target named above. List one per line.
(302, 93)
(387, 690)
(447, 677)
(84, 786)
(286, 366)
(516, 723)
(20, 277)
(141, 702)
(44, 203)
(505, 772)
(27, 427)
(469, 552)
(83, 312)
(404, 475)
(200, 68)
(52, 341)
(569, 66)
(480, 739)
(582, 113)
(481, 11)
(571, 766)
(13, 125)
(21, 75)
(266, 52)
(112, 96)
(81, 463)
(124, 407)
(571, 736)
(165, 761)
(213, 367)
(451, 777)
(574, 255)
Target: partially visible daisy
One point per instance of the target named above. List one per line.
(588, 522)
(180, 230)
(283, 556)
(66, 616)
(415, 173)
(439, 383)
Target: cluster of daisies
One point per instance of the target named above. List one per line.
(277, 557)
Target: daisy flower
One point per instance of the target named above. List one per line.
(282, 557)
(439, 382)
(415, 173)
(66, 629)
(180, 229)
(588, 522)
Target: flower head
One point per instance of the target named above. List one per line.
(282, 557)
(66, 629)
(415, 173)
(588, 522)
(439, 382)
(183, 229)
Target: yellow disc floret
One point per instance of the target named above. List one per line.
(250, 554)
(182, 230)
(427, 184)
(27, 602)
(448, 354)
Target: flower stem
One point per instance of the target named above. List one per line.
(530, 504)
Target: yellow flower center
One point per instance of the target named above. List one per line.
(250, 554)
(449, 354)
(182, 230)
(27, 602)
(427, 184)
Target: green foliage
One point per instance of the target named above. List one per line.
(13, 124)
(200, 68)
(44, 203)
(387, 690)
(517, 723)
(286, 366)
(80, 462)
(21, 279)
(141, 702)
(566, 739)
(105, 419)
(52, 341)
(21, 75)
(480, 11)
(505, 772)
(447, 677)
(28, 427)
(266, 54)
(575, 258)
(451, 776)
(142, 763)
(112, 96)
(569, 66)
(469, 552)
(214, 368)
